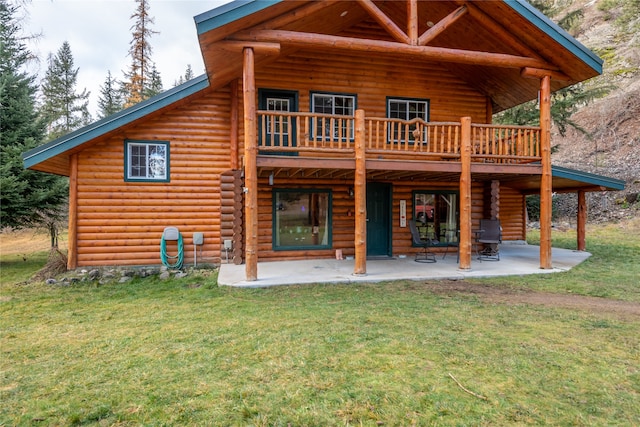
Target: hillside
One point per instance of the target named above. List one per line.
(612, 145)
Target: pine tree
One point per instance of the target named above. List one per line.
(110, 101)
(63, 109)
(154, 85)
(28, 198)
(139, 75)
(188, 75)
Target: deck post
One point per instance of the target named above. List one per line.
(233, 137)
(360, 196)
(72, 257)
(465, 194)
(250, 165)
(546, 178)
(582, 220)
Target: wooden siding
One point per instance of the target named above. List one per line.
(343, 224)
(512, 214)
(121, 222)
(373, 80)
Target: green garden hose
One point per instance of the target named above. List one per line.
(168, 259)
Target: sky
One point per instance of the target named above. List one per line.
(99, 34)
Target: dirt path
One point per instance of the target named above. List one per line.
(623, 309)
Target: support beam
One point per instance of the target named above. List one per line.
(233, 137)
(465, 194)
(440, 54)
(582, 220)
(250, 168)
(412, 22)
(360, 196)
(538, 73)
(72, 252)
(442, 25)
(385, 22)
(546, 199)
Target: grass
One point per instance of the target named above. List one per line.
(186, 352)
(613, 270)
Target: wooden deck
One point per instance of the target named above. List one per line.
(309, 135)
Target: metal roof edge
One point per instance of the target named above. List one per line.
(229, 12)
(558, 34)
(586, 177)
(96, 129)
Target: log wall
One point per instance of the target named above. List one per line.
(512, 214)
(121, 223)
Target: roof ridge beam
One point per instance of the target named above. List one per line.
(377, 46)
(387, 23)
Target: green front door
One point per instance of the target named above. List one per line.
(378, 219)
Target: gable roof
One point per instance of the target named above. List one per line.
(512, 28)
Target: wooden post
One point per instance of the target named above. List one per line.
(233, 137)
(72, 254)
(360, 196)
(545, 180)
(465, 194)
(250, 165)
(412, 19)
(582, 220)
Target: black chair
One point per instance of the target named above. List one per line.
(427, 255)
(490, 236)
(452, 240)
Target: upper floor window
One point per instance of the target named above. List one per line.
(146, 161)
(334, 104)
(406, 109)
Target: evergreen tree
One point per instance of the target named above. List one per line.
(63, 109)
(188, 75)
(139, 76)
(110, 101)
(28, 198)
(154, 85)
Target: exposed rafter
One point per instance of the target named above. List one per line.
(442, 25)
(385, 22)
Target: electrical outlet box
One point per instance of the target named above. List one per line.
(228, 245)
(198, 238)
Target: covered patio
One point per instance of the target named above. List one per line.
(515, 259)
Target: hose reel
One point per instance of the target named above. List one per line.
(171, 234)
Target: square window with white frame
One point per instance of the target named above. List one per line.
(407, 109)
(147, 161)
(336, 105)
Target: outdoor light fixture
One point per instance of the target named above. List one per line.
(351, 192)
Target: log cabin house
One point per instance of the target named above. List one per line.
(324, 126)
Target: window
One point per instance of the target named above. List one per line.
(146, 161)
(436, 215)
(277, 130)
(334, 104)
(301, 219)
(406, 109)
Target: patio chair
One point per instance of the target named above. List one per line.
(452, 241)
(427, 255)
(490, 236)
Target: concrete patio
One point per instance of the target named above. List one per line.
(515, 259)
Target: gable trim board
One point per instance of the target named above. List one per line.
(557, 33)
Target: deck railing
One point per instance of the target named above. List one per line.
(282, 132)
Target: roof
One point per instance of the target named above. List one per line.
(508, 27)
(108, 124)
(565, 179)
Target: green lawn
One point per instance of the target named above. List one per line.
(185, 352)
